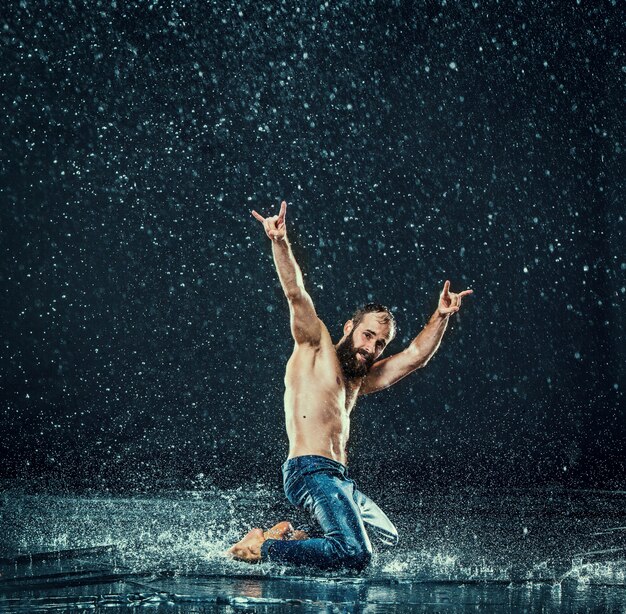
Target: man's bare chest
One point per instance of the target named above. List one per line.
(317, 373)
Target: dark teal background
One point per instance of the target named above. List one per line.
(145, 333)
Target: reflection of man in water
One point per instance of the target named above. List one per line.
(322, 382)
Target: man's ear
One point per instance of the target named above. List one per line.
(347, 327)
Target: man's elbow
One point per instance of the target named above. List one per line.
(418, 358)
(295, 293)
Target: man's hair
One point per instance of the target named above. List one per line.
(386, 316)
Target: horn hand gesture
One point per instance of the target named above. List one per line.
(450, 302)
(274, 226)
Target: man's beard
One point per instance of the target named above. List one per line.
(350, 363)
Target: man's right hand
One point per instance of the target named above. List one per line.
(274, 226)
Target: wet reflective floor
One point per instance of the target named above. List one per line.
(513, 551)
(96, 589)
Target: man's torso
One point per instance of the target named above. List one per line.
(318, 401)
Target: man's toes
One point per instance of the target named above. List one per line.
(249, 554)
(232, 553)
(248, 548)
(240, 553)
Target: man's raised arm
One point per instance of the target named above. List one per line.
(305, 325)
(388, 371)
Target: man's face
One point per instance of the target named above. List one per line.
(363, 346)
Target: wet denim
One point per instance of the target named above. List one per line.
(321, 486)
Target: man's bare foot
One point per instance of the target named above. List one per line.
(249, 548)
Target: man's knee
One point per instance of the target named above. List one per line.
(353, 553)
(362, 558)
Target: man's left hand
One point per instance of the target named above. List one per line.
(450, 302)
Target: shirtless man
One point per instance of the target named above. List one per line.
(323, 381)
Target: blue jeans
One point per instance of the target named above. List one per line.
(321, 486)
